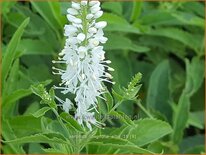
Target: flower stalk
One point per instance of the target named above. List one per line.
(84, 58)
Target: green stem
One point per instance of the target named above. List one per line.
(143, 109)
(63, 126)
(84, 23)
(115, 106)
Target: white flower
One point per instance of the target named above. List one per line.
(98, 14)
(101, 24)
(81, 36)
(72, 11)
(89, 16)
(83, 56)
(67, 105)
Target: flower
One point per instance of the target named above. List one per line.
(83, 55)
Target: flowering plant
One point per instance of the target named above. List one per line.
(71, 80)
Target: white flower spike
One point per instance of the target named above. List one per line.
(83, 56)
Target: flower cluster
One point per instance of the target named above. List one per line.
(85, 62)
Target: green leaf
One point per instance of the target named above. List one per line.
(158, 92)
(117, 96)
(197, 119)
(194, 79)
(15, 19)
(123, 117)
(179, 35)
(148, 130)
(40, 138)
(8, 133)
(196, 8)
(69, 119)
(117, 143)
(35, 148)
(118, 42)
(34, 46)
(136, 10)
(117, 23)
(157, 17)
(6, 6)
(115, 7)
(142, 132)
(47, 11)
(109, 100)
(32, 108)
(181, 117)
(176, 80)
(53, 151)
(25, 125)
(196, 150)
(189, 19)
(13, 97)
(39, 28)
(113, 19)
(195, 75)
(10, 54)
(13, 77)
(189, 143)
(41, 112)
(120, 76)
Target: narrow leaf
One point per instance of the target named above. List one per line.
(41, 112)
(10, 54)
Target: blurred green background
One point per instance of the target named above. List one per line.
(162, 40)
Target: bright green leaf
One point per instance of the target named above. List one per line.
(41, 112)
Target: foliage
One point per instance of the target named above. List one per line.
(159, 43)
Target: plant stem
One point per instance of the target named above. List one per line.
(84, 23)
(63, 125)
(143, 109)
(115, 106)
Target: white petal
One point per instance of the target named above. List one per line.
(77, 25)
(93, 42)
(110, 69)
(89, 16)
(98, 14)
(103, 40)
(101, 24)
(95, 9)
(77, 21)
(69, 30)
(67, 105)
(84, 3)
(72, 11)
(89, 126)
(71, 18)
(92, 30)
(91, 3)
(81, 37)
(76, 6)
(82, 48)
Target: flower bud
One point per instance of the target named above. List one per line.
(76, 6)
(72, 11)
(92, 3)
(94, 9)
(89, 16)
(101, 24)
(84, 2)
(81, 37)
(92, 30)
(98, 14)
